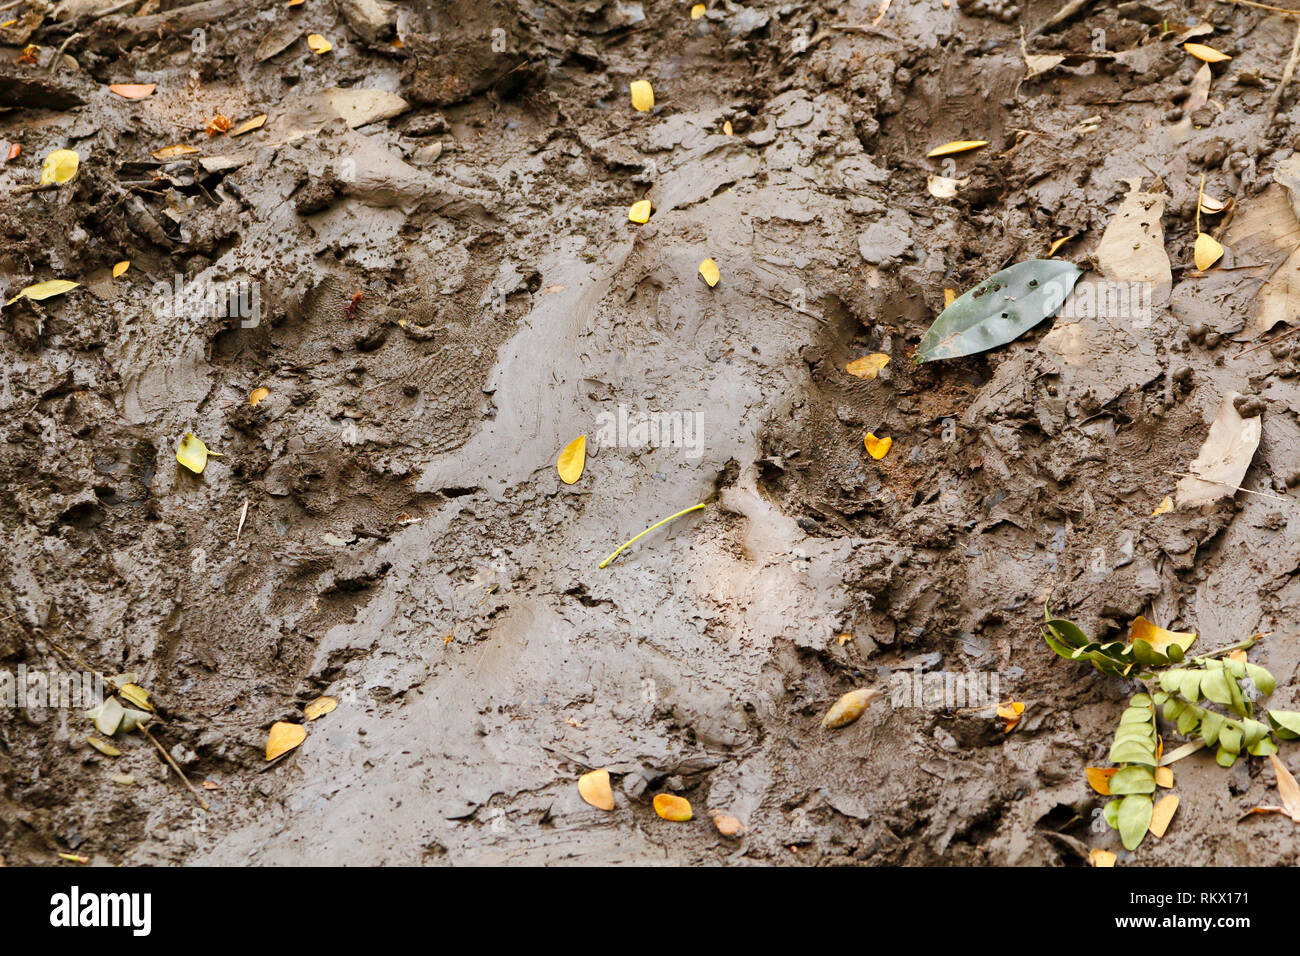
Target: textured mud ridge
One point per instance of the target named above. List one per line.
(450, 291)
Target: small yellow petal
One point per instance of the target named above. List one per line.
(949, 297)
(643, 96)
(1165, 777)
(1162, 814)
(1056, 244)
(257, 395)
(709, 272)
(877, 448)
(60, 166)
(192, 453)
(121, 267)
(318, 44)
(283, 738)
(698, 11)
(868, 366)
(594, 788)
(726, 127)
(1207, 252)
(677, 809)
(572, 460)
(728, 825)
(1207, 53)
(1164, 507)
(849, 707)
(319, 707)
(957, 146)
(639, 211)
(1101, 858)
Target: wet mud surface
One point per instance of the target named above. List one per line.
(450, 291)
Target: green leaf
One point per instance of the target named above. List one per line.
(1140, 700)
(1133, 753)
(1225, 758)
(1063, 650)
(1111, 813)
(1214, 685)
(1254, 732)
(1230, 738)
(1134, 817)
(1189, 685)
(1262, 747)
(1285, 723)
(1133, 780)
(1068, 632)
(1261, 678)
(1135, 715)
(1188, 719)
(1211, 725)
(1000, 309)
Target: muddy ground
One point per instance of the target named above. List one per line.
(434, 218)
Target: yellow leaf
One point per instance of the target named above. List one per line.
(171, 152)
(248, 125)
(1164, 777)
(1164, 507)
(1158, 637)
(698, 11)
(257, 395)
(1207, 252)
(296, 3)
(133, 91)
(1162, 814)
(136, 695)
(677, 809)
(1101, 858)
(318, 44)
(319, 707)
(1099, 778)
(44, 290)
(844, 638)
(726, 127)
(877, 448)
(639, 211)
(121, 267)
(74, 858)
(957, 146)
(572, 460)
(849, 708)
(1207, 53)
(60, 166)
(1056, 244)
(107, 749)
(643, 96)
(949, 297)
(283, 738)
(192, 453)
(868, 366)
(594, 788)
(709, 272)
(728, 825)
(1212, 207)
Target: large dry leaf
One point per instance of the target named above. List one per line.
(1266, 232)
(1224, 458)
(1132, 249)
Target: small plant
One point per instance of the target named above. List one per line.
(1183, 688)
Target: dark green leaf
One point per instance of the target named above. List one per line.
(1000, 309)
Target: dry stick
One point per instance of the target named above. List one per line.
(1276, 338)
(1213, 481)
(58, 57)
(1276, 99)
(1263, 6)
(168, 757)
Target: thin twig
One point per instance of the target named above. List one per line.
(1212, 481)
(168, 757)
(58, 56)
(1276, 338)
(1263, 6)
(1276, 99)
